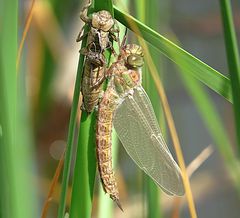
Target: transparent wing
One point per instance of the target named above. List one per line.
(142, 99)
(138, 130)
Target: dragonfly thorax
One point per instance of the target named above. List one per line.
(128, 80)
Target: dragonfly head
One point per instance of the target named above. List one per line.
(135, 61)
(102, 20)
(133, 55)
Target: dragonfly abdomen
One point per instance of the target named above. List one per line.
(92, 74)
(104, 144)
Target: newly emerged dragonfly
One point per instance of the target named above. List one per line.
(103, 29)
(126, 106)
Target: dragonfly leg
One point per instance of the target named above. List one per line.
(112, 49)
(81, 36)
(83, 51)
(84, 18)
(114, 30)
(86, 50)
(82, 107)
(83, 14)
(124, 39)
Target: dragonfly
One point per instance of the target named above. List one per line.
(103, 29)
(126, 106)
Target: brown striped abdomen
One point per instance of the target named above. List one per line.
(91, 75)
(104, 143)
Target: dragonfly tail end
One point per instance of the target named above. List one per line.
(119, 204)
(114, 198)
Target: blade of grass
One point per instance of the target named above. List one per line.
(18, 198)
(140, 10)
(144, 12)
(233, 61)
(70, 139)
(104, 5)
(153, 200)
(190, 64)
(85, 169)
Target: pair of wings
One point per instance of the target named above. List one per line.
(138, 130)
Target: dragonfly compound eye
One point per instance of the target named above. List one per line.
(135, 61)
(102, 20)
